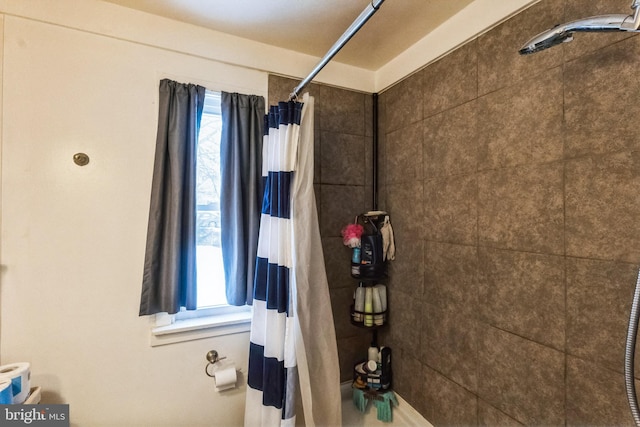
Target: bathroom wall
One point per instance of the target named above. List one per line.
(73, 237)
(512, 183)
(343, 186)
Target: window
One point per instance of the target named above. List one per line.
(211, 291)
(213, 316)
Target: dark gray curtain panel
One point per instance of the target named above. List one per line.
(241, 191)
(169, 279)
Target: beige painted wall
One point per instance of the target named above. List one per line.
(73, 237)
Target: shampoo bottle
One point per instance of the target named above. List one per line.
(355, 262)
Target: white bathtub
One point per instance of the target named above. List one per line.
(403, 414)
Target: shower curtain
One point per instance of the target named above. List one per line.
(293, 347)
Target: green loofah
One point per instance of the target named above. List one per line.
(360, 400)
(383, 405)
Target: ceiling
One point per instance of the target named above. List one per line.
(313, 26)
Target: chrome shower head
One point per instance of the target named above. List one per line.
(564, 32)
(547, 39)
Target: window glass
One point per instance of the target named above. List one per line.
(211, 288)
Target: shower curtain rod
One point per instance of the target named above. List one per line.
(357, 24)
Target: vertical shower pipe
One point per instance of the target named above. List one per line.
(353, 28)
(374, 177)
(374, 149)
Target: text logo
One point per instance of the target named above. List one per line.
(34, 415)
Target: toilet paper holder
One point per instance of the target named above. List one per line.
(212, 358)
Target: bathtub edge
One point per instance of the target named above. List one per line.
(405, 412)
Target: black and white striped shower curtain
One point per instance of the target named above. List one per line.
(292, 340)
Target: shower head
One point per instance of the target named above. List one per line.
(564, 32)
(547, 39)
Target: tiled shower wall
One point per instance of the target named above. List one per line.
(513, 184)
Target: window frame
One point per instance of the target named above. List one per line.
(205, 322)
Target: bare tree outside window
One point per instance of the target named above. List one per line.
(209, 255)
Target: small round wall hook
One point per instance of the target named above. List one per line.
(81, 159)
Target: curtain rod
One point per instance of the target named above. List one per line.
(357, 24)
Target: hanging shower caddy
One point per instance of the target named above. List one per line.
(372, 243)
(369, 267)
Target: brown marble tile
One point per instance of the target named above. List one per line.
(451, 81)
(488, 416)
(351, 350)
(602, 205)
(369, 198)
(386, 339)
(446, 403)
(341, 300)
(523, 379)
(601, 92)
(367, 161)
(280, 88)
(339, 204)
(450, 344)
(342, 110)
(406, 368)
(588, 42)
(522, 124)
(599, 295)
(382, 141)
(316, 195)
(500, 64)
(337, 261)
(403, 151)
(343, 159)
(451, 277)
(317, 156)
(450, 142)
(523, 293)
(405, 320)
(402, 103)
(451, 211)
(406, 272)
(596, 396)
(522, 208)
(404, 203)
(382, 197)
(368, 115)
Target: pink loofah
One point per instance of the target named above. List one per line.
(351, 235)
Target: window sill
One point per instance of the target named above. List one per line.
(201, 327)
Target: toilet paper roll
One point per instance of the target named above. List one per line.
(225, 376)
(6, 396)
(20, 375)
